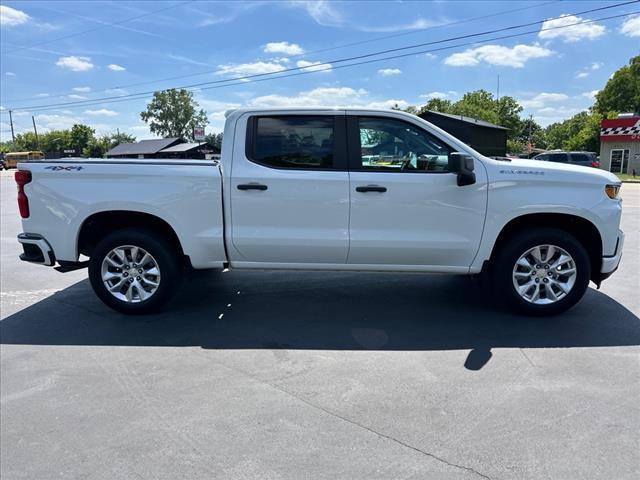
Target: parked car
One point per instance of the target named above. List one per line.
(320, 189)
(585, 159)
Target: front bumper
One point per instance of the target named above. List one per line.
(36, 249)
(610, 263)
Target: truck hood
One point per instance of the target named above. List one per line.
(547, 171)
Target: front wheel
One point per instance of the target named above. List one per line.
(134, 271)
(542, 272)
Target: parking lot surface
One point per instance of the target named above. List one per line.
(292, 375)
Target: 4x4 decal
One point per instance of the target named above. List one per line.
(57, 168)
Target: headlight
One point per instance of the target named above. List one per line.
(612, 191)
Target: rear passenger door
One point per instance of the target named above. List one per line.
(290, 190)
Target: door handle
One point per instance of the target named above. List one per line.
(252, 186)
(371, 188)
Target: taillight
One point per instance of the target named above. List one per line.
(595, 164)
(22, 178)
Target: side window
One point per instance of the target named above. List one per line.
(392, 145)
(559, 158)
(543, 157)
(581, 158)
(293, 141)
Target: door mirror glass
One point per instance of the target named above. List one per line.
(462, 165)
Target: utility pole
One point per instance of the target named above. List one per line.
(13, 137)
(529, 145)
(498, 90)
(33, 119)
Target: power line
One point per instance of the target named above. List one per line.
(384, 37)
(90, 30)
(328, 63)
(421, 30)
(207, 72)
(277, 75)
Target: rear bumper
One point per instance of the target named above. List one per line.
(36, 249)
(610, 263)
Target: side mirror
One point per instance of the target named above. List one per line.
(462, 165)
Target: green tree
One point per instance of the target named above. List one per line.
(622, 91)
(174, 113)
(81, 136)
(580, 132)
(478, 104)
(214, 140)
(97, 147)
(437, 105)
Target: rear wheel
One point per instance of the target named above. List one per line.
(135, 271)
(543, 272)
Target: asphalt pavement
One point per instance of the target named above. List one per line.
(292, 375)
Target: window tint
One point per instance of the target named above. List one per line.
(582, 158)
(559, 157)
(294, 141)
(543, 157)
(394, 145)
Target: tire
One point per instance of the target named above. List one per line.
(529, 287)
(140, 288)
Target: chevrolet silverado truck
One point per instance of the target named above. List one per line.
(325, 189)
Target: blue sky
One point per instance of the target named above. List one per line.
(58, 52)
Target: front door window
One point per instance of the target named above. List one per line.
(619, 161)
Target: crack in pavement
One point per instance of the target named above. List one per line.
(353, 422)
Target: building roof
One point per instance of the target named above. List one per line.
(143, 147)
(462, 118)
(182, 147)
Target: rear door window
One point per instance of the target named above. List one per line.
(559, 157)
(581, 158)
(297, 142)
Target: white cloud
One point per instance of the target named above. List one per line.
(116, 91)
(572, 33)
(75, 96)
(56, 122)
(216, 108)
(515, 56)
(75, 64)
(326, 97)
(314, 66)
(596, 65)
(442, 95)
(631, 26)
(540, 100)
(388, 72)
(549, 115)
(430, 56)
(103, 112)
(322, 12)
(115, 67)
(10, 74)
(391, 103)
(42, 95)
(582, 74)
(283, 47)
(591, 95)
(322, 96)
(82, 89)
(254, 68)
(11, 17)
(418, 24)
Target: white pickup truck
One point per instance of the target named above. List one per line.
(338, 189)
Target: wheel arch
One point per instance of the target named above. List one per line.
(99, 224)
(582, 229)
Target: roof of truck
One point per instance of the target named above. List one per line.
(309, 109)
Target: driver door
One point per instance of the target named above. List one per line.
(406, 208)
